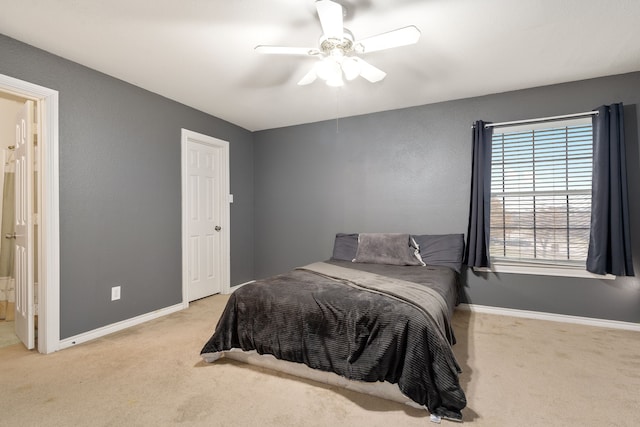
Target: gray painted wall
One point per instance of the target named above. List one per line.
(409, 171)
(404, 170)
(120, 196)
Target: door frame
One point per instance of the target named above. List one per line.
(225, 264)
(49, 212)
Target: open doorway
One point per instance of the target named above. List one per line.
(44, 260)
(11, 107)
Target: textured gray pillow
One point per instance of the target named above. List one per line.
(441, 249)
(345, 247)
(386, 248)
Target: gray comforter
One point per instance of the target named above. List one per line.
(356, 325)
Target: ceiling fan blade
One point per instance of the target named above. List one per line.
(330, 14)
(369, 72)
(400, 37)
(283, 50)
(308, 78)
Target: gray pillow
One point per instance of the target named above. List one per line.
(386, 248)
(441, 249)
(345, 247)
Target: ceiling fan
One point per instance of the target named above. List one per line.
(338, 50)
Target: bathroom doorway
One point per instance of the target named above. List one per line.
(23, 327)
(39, 260)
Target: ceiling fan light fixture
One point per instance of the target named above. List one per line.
(351, 68)
(329, 69)
(335, 81)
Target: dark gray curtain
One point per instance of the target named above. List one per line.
(476, 251)
(610, 238)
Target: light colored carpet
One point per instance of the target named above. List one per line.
(7, 333)
(517, 372)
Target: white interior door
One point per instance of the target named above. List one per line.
(24, 323)
(206, 213)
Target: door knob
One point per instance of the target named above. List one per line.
(218, 228)
(10, 236)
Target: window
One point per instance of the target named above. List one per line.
(541, 193)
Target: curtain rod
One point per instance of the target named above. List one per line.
(543, 119)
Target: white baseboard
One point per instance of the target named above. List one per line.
(115, 327)
(538, 315)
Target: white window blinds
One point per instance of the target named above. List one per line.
(541, 192)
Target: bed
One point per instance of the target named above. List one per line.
(374, 318)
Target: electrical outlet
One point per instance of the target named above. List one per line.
(115, 293)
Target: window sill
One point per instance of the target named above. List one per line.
(561, 271)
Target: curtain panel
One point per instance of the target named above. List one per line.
(476, 252)
(610, 236)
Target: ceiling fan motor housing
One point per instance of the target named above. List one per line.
(333, 46)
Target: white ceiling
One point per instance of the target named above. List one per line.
(200, 52)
